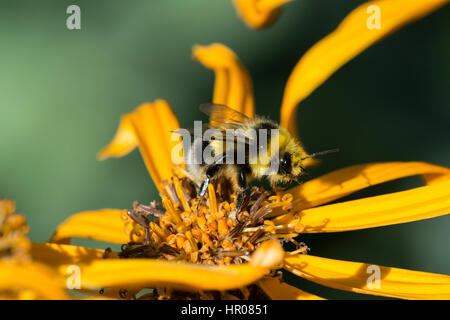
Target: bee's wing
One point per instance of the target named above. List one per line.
(223, 117)
(194, 132)
(216, 134)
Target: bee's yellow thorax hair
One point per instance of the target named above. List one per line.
(260, 161)
(280, 141)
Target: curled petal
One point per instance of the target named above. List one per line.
(109, 225)
(30, 281)
(370, 279)
(278, 290)
(150, 127)
(123, 142)
(269, 254)
(233, 85)
(349, 39)
(399, 207)
(259, 13)
(345, 181)
(151, 272)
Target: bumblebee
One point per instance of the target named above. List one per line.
(241, 149)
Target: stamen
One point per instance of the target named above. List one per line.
(148, 210)
(147, 236)
(157, 229)
(174, 193)
(169, 191)
(302, 250)
(253, 229)
(139, 219)
(259, 215)
(212, 199)
(237, 230)
(191, 240)
(256, 235)
(233, 254)
(244, 204)
(180, 193)
(171, 211)
(257, 204)
(301, 247)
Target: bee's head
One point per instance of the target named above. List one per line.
(290, 166)
(290, 160)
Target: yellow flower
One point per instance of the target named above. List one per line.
(20, 277)
(206, 256)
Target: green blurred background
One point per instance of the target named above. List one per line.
(62, 93)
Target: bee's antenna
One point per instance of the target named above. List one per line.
(316, 154)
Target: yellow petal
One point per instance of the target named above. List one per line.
(150, 127)
(259, 13)
(107, 225)
(278, 290)
(359, 277)
(36, 279)
(7, 206)
(152, 272)
(233, 85)
(345, 181)
(399, 207)
(123, 142)
(57, 254)
(349, 39)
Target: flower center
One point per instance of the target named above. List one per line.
(217, 234)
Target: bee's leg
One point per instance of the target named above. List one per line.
(202, 192)
(204, 188)
(305, 172)
(242, 188)
(240, 200)
(210, 173)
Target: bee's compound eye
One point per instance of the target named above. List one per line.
(286, 163)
